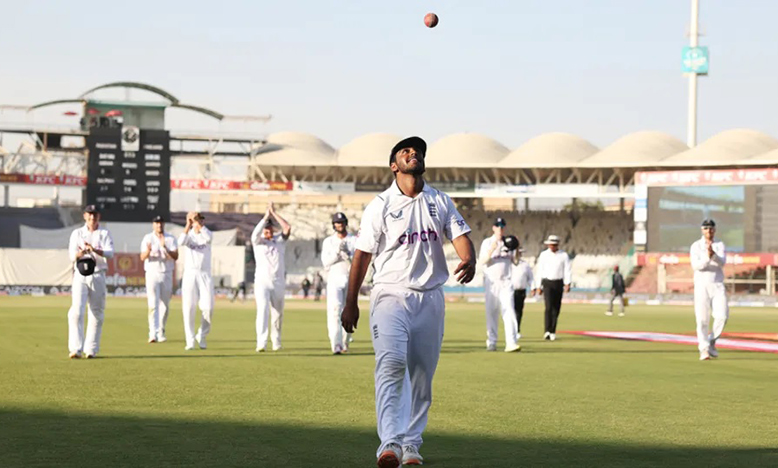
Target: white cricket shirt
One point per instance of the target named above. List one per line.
(269, 255)
(198, 250)
(553, 266)
(100, 238)
(708, 270)
(159, 261)
(405, 236)
(336, 255)
(521, 276)
(497, 267)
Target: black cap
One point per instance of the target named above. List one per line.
(86, 265)
(158, 219)
(499, 222)
(91, 209)
(510, 242)
(709, 223)
(411, 142)
(340, 218)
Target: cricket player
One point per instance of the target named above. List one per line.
(336, 254)
(618, 287)
(159, 252)
(269, 277)
(197, 284)
(404, 228)
(89, 248)
(521, 279)
(498, 291)
(708, 257)
(554, 274)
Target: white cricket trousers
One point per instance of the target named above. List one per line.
(270, 311)
(336, 300)
(710, 299)
(88, 292)
(499, 302)
(407, 333)
(159, 289)
(196, 289)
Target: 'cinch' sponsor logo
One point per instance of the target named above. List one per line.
(424, 236)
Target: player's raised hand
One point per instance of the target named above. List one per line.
(465, 271)
(350, 317)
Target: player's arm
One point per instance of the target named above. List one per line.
(329, 255)
(719, 257)
(359, 266)
(73, 251)
(568, 274)
(466, 252)
(145, 248)
(107, 250)
(173, 253)
(286, 228)
(699, 258)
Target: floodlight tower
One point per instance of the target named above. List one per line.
(691, 131)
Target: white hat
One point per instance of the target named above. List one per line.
(552, 239)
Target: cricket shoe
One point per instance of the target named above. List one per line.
(161, 339)
(90, 356)
(491, 347)
(76, 355)
(189, 347)
(704, 356)
(411, 456)
(152, 340)
(512, 349)
(622, 314)
(547, 336)
(712, 351)
(390, 457)
(552, 336)
(609, 313)
(260, 349)
(201, 342)
(338, 349)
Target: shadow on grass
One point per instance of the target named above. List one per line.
(54, 439)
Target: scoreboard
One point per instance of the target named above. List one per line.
(128, 173)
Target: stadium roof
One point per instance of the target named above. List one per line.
(295, 149)
(731, 147)
(549, 150)
(639, 149)
(465, 150)
(371, 150)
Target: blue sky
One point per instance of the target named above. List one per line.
(339, 69)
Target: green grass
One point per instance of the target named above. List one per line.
(575, 402)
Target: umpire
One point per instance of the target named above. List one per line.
(553, 277)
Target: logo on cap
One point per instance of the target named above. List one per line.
(499, 222)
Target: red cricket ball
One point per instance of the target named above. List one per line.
(431, 20)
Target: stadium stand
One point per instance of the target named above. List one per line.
(46, 218)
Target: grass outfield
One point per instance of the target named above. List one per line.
(576, 402)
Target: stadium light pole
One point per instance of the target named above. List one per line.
(691, 131)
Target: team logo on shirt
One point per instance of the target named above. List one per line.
(397, 216)
(461, 222)
(410, 237)
(433, 210)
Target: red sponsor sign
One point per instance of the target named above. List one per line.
(43, 179)
(764, 176)
(750, 259)
(220, 185)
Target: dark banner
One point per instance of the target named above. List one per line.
(128, 175)
(447, 187)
